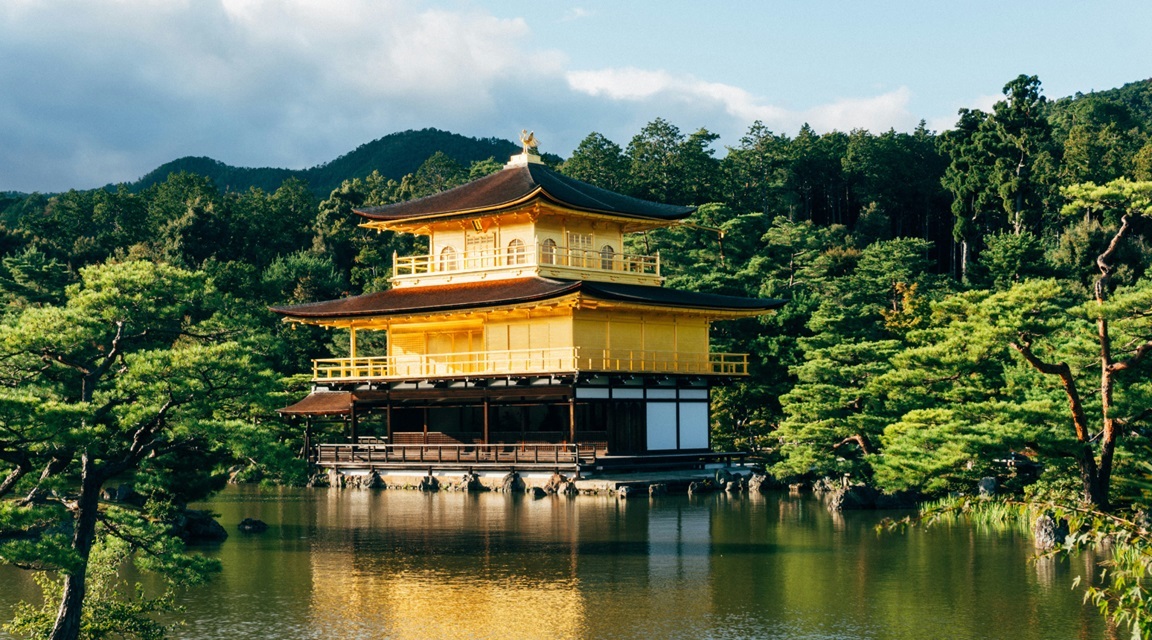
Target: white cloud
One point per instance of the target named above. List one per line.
(97, 91)
(576, 13)
(85, 84)
(877, 113)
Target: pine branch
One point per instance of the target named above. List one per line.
(1064, 372)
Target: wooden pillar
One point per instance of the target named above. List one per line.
(352, 422)
(307, 439)
(486, 410)
(425, 411)
(352, 342)
(572, 417)
(388, 417)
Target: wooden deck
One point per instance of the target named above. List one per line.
(455, 456)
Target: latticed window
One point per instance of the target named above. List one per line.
(607, 257)
(580, 249)
(448, 259)
(548, 252)
(516, 252)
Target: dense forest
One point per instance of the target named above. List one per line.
(965, 304)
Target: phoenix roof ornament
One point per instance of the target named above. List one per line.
(528, 139)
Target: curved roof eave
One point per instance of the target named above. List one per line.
(516, 186)
(458, 297)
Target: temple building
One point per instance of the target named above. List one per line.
(526, 337)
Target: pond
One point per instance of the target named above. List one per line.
(404, 564)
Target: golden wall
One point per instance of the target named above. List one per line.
(591, 330)
(634, 331)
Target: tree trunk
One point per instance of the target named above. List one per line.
(22, 468)
(964, 261)
(1107, 370)
(68, 618)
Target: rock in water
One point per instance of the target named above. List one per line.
(658, 489)
(555, 483)
(429, 484)
(759, 483)
(195, 525)
(512, 483)
(626, 491)
(375, 481)
(701, 486)
(252, 525)
(857, 497)
(536, 492)
(987, 486)
(1048, 533)
(471, 483)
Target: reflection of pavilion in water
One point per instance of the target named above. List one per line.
(507, 568)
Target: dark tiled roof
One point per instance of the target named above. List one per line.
(450, 297)
(513, 185)
(434, 298)
(321, 403)
(671, 297)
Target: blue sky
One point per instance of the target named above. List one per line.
(102, 91)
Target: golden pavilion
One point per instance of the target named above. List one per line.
(526, 338)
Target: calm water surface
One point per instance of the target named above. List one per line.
(402, 564)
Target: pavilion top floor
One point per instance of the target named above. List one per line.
(525, 220)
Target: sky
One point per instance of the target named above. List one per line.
(94, 92)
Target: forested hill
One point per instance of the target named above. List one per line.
(398, 154)
(1135, 97)
(393, 156)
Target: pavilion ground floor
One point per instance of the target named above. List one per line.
(539, 422)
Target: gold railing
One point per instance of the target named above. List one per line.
(527, 255)
(526, 361)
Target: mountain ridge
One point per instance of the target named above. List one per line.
(394, 156)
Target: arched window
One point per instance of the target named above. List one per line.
(448, 259)
(548, 252)
(516, 252)
(607, 253)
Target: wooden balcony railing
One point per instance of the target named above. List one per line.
(525, 256)
(528, 361)
(470, 455)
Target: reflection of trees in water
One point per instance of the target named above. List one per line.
(404, 564)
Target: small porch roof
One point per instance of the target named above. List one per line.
(321, 403)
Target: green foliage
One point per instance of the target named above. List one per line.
(667, 166)
(1118, 547)
(601, 162)
(113, 608)
(32, 278)
(131, 378)
(1009, 258)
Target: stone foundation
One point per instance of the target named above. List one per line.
(733, 480)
